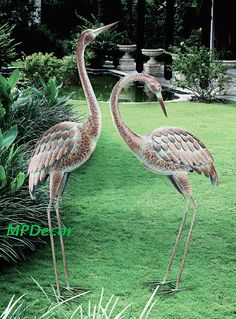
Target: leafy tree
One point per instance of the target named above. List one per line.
(7, 45)
(17, 12)
(203, 73)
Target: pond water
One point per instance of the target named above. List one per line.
(104, 83)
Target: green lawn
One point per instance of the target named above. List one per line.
(126, 220)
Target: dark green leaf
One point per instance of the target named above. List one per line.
(14, 78)
(2, 112)
(3, 177)
(5, 89)
(9, 137)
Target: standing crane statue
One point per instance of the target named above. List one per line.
(169, 151)
(65, 147)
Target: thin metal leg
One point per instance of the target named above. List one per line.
(186, 245)
(62, 242)
(53, 247)
(176, 242)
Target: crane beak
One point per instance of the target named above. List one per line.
(160, 100)
(104, 28)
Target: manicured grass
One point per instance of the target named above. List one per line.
(126, 220)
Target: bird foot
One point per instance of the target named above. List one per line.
(171, 291)
(75, 290)
(154, 283)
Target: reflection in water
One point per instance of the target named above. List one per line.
(104, 83)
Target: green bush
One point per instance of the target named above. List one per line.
(204, 74)
(7, 45)
(69, 70)
(39, 66)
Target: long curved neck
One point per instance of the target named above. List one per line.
(94, 119)
(133, 140)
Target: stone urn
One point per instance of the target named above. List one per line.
(153, 67)
(127, 63)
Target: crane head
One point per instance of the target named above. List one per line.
(89, 35)
(155, 88)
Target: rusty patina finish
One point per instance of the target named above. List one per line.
(166, 150)
(169, 151)
(65, 147)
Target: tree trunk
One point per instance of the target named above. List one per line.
(130, 11)
(109, 11)
(140, 34)
(169, 38)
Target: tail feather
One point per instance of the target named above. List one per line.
(35, 180)
(213, 176)
(32, 194)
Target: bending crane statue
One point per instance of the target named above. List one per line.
(66, 146)
(169, 151)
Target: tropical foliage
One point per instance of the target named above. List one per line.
(24, 116)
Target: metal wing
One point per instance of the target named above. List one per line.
(184, 150)
(54, 146)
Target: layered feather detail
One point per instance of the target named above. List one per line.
(185, 151)
(55, 145)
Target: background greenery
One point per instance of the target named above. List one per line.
(127, 218)
(201, 70)
(61, 20)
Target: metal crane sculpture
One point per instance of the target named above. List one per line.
(65, 147)
(169, 151)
